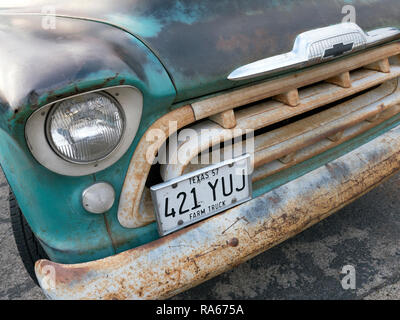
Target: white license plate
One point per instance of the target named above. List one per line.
(199, 195)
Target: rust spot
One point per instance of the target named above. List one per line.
(234, 242)
(64, 274)
(109, 79)
(274, 199)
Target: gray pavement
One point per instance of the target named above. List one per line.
(366, 235)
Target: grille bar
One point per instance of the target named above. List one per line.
(283, 142)
(270, 112)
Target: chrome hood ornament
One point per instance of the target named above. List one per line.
(316, 46)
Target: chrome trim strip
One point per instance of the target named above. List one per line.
(316, 46)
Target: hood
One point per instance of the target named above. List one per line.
(201, 42)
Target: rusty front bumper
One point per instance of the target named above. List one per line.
(182, 260)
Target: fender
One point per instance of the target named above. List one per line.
(39, 66)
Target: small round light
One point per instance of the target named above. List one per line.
(98, 198)
(87, 128)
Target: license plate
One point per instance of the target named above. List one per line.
(201, 194)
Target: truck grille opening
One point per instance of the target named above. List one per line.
(294, 116)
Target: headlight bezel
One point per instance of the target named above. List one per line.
(131, 101)
(52, 143)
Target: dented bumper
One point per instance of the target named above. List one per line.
(184, 259)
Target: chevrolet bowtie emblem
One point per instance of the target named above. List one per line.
(316, 46)
(338, 50)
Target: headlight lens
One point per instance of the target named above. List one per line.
(86, 128)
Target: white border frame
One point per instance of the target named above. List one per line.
(130, 100)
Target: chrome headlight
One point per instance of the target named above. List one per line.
(86, 128)
(86, 133)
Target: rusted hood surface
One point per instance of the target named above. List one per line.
(201, 42)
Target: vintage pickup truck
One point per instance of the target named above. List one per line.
(111, 113)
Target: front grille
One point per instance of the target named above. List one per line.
(306, 117)
(295, 117)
